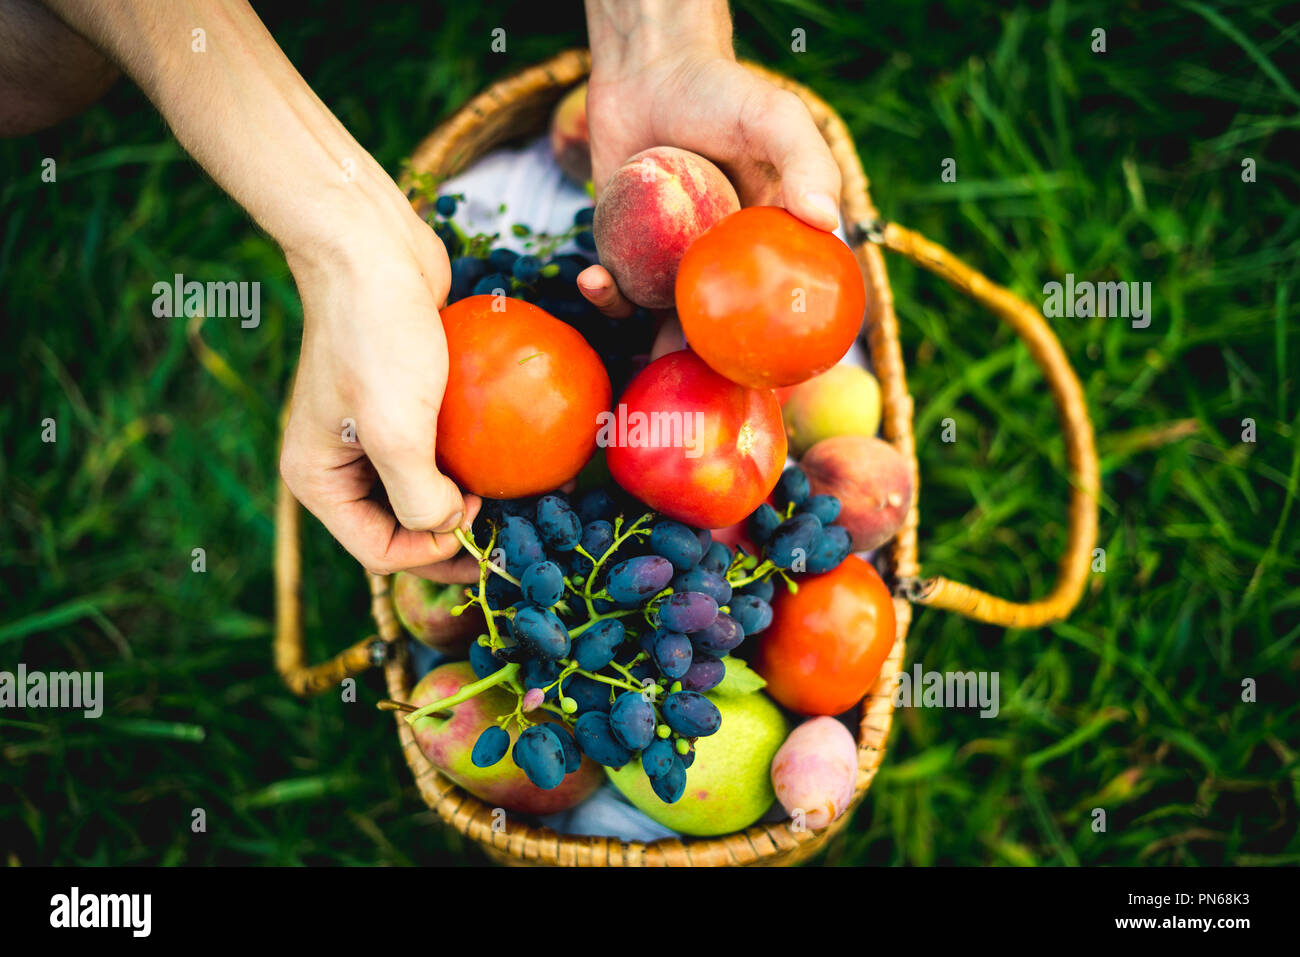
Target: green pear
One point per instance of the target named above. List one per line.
(729, 786)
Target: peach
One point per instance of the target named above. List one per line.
(870, 478)
(843, 400)
(424, 609)
(570, 143)
(815, 771)
(654, 206)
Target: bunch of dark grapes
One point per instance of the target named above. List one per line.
(617, 623)
(547, 280)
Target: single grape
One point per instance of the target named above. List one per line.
(636, 579)
(494, 284)
(688, 758)
(763, 523)
(760, 589)
(596, 504)
(793, 541)
(540, 673)
(542, 583)
(490, 747)
(502, 259)
(586, 240)
(541, 632)
(677, 543)
(527, 268)
(705, 673)
(672, 653)
(688, 611)
(597, 741)
(655, 759)
(751, 613)
(571, 265)
(706, 539)
(446, 206)
(701, 580)
(632, 720)
(584, 216)
(520, 544)
(558, 523)
(720, 637)
(519, 507)
(597, 536)
(501, 593)
(595, 647)
(483, 661)
(590, 695)
(691, 714)
(717, 559)
(833, 546)
(540, 755)
(670, 785)
(792, 487)
(825, 507)
(572, 756)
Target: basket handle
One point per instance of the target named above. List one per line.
(1081, 453)
(290, 653)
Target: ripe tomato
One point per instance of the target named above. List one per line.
(768, 300)
(693, 445)
(524, 391)
(827, 641)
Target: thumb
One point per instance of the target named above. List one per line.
(810, 178)
(422, 498)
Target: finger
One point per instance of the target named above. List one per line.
(422, 498)
(810, 180)
(598, 287)
(373, 537)
(669, 338)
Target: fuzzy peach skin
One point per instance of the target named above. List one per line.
(815, 770)
(448, 743)
(570, 142)
(653, 207)
(871, 480)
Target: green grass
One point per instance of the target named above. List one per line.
(1124, 165)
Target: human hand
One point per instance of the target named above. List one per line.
(365, 402)
(665, 75)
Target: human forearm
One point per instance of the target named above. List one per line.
(245, 114)
(627, 35)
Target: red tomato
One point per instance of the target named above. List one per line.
(693, 445)
(783, 393)
(827, 641)
(524, 391)
(768, 300)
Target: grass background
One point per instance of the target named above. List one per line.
(1123, 165)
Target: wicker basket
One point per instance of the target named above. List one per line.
(519, 106)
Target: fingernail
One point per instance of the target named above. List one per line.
(450, 525)
(823, 202)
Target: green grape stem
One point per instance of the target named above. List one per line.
(471, 690)
(758, 573)
(468, 544)
(620, 537)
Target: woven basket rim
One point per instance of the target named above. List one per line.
(487, 120)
